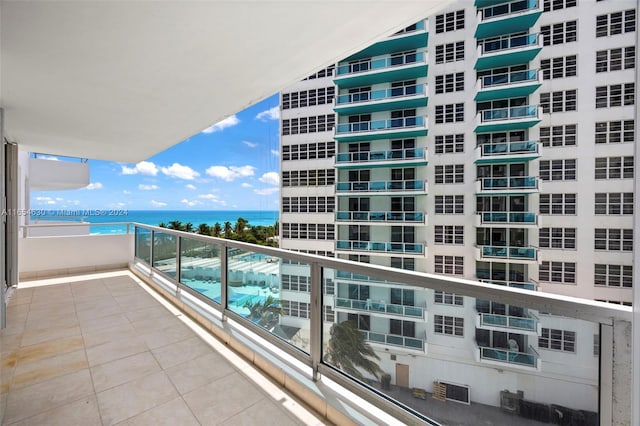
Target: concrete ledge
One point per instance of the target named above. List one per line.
(52, 273)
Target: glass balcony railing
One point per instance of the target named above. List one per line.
(513, 284)
(529, 359)
(380, 216)
(514, 113)
(380, 186)
(380, 307)
(515, 77)
(508, 148)
(415, 248)
(393, 340)
(524, 182)
(380, 125)
(508, 321)
(508, 217)
(382, 94)
(508, 8)
(524, 253)
(369, 156)
(380, 64)
(507, 42)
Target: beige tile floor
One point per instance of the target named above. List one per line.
(103, 349)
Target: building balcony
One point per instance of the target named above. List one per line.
(383, 187)
(375, 71)
(407, 127)
(380, 247)
(374, 159)
(414, 37)
(508, 185)
(506, 219)
(513, 284)
(382, 100)
(505, 119)
(507, 152)
(528, 325)
(384, 217)
(380, 307)
(53, 175)
(508, 85)
(507, 18)
(386, 340)
(520, 254)
(507, 50)
(499, 356)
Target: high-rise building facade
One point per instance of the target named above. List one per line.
(493, 142)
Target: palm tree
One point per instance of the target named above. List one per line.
(239, 227)
(203, 229)
(348, 350)
(188, 227)
(265, 313)
(227, 230)
(175, 224)
(216, 230)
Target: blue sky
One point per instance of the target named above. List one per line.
(232, 165)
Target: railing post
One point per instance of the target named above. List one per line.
(178, 264)
(316, 318)
(223, 280)
(151, 244)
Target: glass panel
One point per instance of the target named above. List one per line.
(143, 245)
(164, 253)
(200, 263)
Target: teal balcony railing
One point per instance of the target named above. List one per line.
(513, 113)
(380, 307)
(508, 8)
(507, 42)
(524, 253)
(381, 186)
(394, 340)
(515, 77)
(509, 148)
(391, 155)
(380, 64)
(378, 95)
(529, 359)
(508, 217)
(524, 182)
(512, 284)
(508, 321)
(380, 125)
(387, 216)
(381, 247)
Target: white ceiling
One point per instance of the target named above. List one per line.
(125, 80)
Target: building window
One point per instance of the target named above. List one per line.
(563, 32)
(613, 203)
(615, 131)
(295, 309)
(449, 143)
(449, 204)
(329, 286)
(320, 123)
(561, 101)
(296, 283)
(555, 136)
(450, 83)
(614, 168)
(450, 21)
(616, 59)
(327, 72)
(308, 204)
(561, 238)
(550, 5)
(308, 231)
(557, 272)
(615, 95)
(558, 170)
(558, 204)
(449, 234)
(616, 23)
(329, 314)
(308, 177)
(449, 173)
(613, 275)
(309, 151)
(444, 298)
(451, 265)
(450, 113)
(450, 52)
(559, 340)
(450, 326)
(310, 97)
(612, 239)
(562, 66)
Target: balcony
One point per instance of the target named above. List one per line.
(507, 18)
(404, 342)
(375, 71)
(404, 97)
(507, 152)
(380, 307)
(407, 127)
(383, 187)
(380, 247)
(508, 85)
(414, 38)
(505, 119)
(505, 357)
(381, 217)
(507, 253)
(506, 219)
(507, 185)
(373, 159)
(513, 284)
(522, 325)
(507, 50)
(52, 175)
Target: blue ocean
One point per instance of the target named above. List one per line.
(155, 217)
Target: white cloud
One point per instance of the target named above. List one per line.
(190, 203)
(246, 185)
(48, 157)
(230, 173)
(250, 144)
(271, 178)
(221, 125)
(191, 187)
(146, 168)
(43, 198)
(266, 191)
(270, 114)
(94, 185)
(59, 199)
(126, 192)
(212, 198)
(275, 152)
(179, 171)
(155, 203)
(143, 187)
